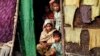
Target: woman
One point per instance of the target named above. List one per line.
(46, 38)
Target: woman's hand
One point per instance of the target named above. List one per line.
(44, 44)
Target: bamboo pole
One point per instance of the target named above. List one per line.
(15, 26)
(62, 28)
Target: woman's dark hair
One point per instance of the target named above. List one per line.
(49, 24)
(57, 33)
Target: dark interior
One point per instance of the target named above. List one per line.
(39, 6)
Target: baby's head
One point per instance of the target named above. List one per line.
(56, 6)
(57, 36)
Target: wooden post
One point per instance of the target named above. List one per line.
(15, 25)
(62, 28)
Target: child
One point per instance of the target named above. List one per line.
(48, 14)
(57, 15)
(46, 38)
(56, 47)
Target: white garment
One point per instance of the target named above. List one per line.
(58, 19)
(90, 2)
(5, 51)
(69, 12)
(72, 35)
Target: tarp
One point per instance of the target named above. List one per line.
(26, 27)
(7, 12)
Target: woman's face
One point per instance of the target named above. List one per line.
(48, 27)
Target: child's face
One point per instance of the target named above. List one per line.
(55, 7)
(48, 27)
(57, 38)
(47, 9)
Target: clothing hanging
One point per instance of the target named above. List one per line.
(95, 11)
(90, 2)
(72, 2)
(69, 13)
(85, 11)
(94, 38)
(7, 12)
(72, 35)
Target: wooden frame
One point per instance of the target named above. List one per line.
(15, 25)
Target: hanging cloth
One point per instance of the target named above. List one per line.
(94, 38)
(70, 7)
(90, 2)
(72, 35)
(72, 2)
(7, 13)
(69, 12)
(27, 27)
(95, 11)
(85, 11)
